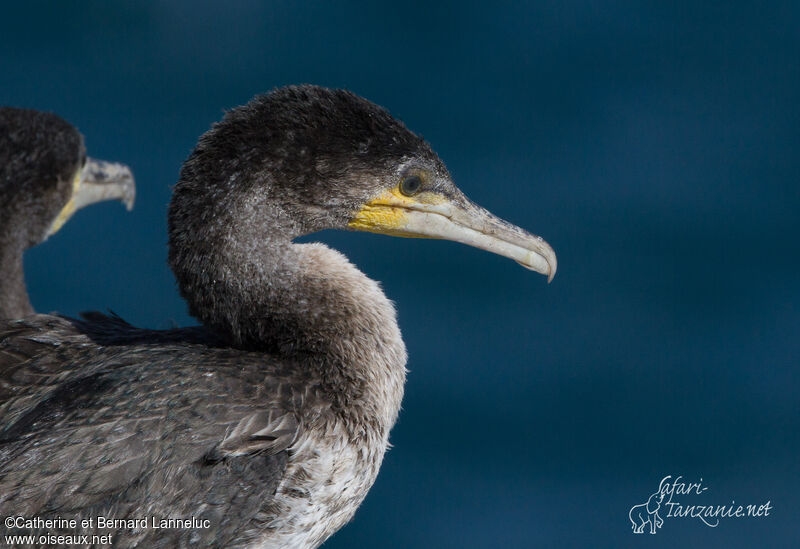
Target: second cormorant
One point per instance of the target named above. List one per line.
(45, 177)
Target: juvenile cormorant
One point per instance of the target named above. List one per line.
(45, 177)
(271, 420)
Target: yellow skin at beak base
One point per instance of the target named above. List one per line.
(388, 212)
(69, 208)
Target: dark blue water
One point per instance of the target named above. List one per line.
(656, 149)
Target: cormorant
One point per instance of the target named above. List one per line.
(266, 426)
(45, 177)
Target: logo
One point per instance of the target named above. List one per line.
(647, 513)
(676, 498)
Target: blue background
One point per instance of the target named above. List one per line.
(656, 148)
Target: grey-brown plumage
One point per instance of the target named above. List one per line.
(271, 420)
(44, 177)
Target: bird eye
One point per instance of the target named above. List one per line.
(410, 185)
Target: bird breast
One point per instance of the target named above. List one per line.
(326, 480)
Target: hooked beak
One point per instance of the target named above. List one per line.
(101, 180)
(97, 181)
(432, 215)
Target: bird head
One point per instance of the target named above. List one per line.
(321, 158)
(45, 175)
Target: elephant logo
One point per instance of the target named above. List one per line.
(645, 513)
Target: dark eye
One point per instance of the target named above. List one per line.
(411, 185)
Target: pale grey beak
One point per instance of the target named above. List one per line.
(433, 215)
(97, 181)
(467, 223)
(101, 180)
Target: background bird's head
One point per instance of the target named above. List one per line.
(45, 175)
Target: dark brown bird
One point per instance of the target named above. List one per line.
(271, 420)
(45, 177)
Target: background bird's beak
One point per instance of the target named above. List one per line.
(97, 181)
(101, 180)
(432, 215)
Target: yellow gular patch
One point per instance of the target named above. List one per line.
(387, 213)
(68, 209)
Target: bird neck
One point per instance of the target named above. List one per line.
(14, 302)
(304, 303)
